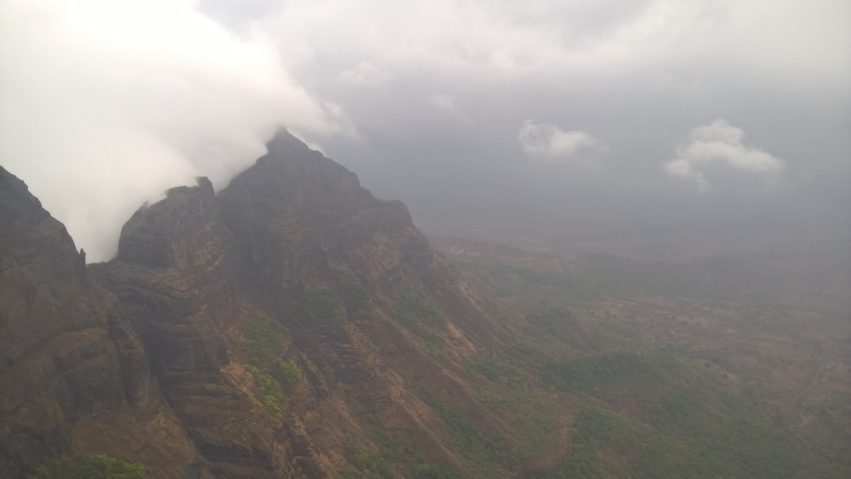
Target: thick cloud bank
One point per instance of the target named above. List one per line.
(720, 144)
(104, 104)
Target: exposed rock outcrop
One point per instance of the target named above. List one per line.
(70, 360)
(277, 325)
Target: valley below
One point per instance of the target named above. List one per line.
(737, 366)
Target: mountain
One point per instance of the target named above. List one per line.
(291, 325)
(74, 373)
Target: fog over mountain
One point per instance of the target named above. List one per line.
(653, 122)
(444, 239)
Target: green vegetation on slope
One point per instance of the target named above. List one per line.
(269, 391)
(265, 342)
(534, 416)
(351, 288)
(488, 456)
(418, 315)
(367, 464)
(89, 467)
(684, 426)
(320, 303)
(413, 310)
(370, 464)
(609, 445)
(619, 370)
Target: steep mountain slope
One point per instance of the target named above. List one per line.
(73, 375)
(293, 325)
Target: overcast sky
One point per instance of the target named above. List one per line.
(619, 114)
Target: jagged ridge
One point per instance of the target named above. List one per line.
(282, 322)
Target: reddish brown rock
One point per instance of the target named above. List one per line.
(276, 325)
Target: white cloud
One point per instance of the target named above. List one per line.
(720, 143)
(809, 43)
(104, 104)
(366, 74)
(541, 140)
(442, 102)
(447, 106)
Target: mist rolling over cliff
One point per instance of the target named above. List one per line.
(426, 240)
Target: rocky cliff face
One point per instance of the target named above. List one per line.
(73, 371)
(285, 327)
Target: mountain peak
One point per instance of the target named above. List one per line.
(292, 174)
(290, 305)
(284, 139)
(286, 147)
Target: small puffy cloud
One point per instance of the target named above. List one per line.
(541, 140)
(720, 144)
(446, 106)
(366, 74)
(442, 102)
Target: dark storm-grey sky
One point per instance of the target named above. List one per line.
(609, 114)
